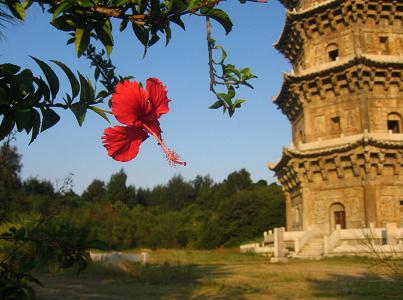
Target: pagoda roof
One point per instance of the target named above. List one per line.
(338, 145)
(287, 100)
(284, 45)
(289, 4)
(365, 59)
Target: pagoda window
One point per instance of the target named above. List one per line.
(335, 124)
(333, 52)
(394, 123)
(384, 44)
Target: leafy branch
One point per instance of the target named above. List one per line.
(47, 243)
(27, 102)
(104, 69)
(228, 76)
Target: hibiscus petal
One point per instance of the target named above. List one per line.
(158, 97)
(130, 102)
(123, 142)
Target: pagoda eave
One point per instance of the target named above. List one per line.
(289, 4)
(384, 141)
(290, 103)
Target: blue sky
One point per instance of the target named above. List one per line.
(208, 141)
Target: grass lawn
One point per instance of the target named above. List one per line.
(223, 274)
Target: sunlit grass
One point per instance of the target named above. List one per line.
(223, 274)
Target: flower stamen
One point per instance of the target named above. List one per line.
(172, 157)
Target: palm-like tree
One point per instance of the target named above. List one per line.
(5, 16)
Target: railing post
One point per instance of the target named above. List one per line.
(391, 229)
(279, 245)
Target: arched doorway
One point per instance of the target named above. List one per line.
(337, 216)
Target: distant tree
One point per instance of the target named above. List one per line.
(261, 182)
(235, 182)
(142, 197)
(202, 182)
(95, 192)
(35, 186)
(131, 195)
(206, 192)
(244, 216)
(10, 181)
(179, 192)
(116, 187)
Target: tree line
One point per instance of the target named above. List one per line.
(198, 213)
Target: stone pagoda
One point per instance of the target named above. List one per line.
(344, 99)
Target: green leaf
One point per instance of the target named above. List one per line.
(7, 125)
(178, 21)
(50, 75)
(21, 83)
(141, 34)
(247, 84)
(220, 16)
(36, 124)
(64, 23)
(217, 104)
(97, 72)
(8, 70)
(238, 103)
(225, 97)
(87, 92)
(155, 7)
(70, 41)
(154, 38)
(123, 25)
(79, 109)
(16, 9)
(104, 33)
(82, 40)
(69, 100)
(102, 94)
(42, 91)
(49, 118)
(4, 99)
(62, 7)
(23, 119)
(27, 3)
(99, 112)
(177, 6)
(168, 35)
(32, 99)
(87, 3)
(223, 54)
(230, 69)
(231, 92)
(75, 85)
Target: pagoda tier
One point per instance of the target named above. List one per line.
(303, 28)
(365, 156)
(357, 92)
(363, 174)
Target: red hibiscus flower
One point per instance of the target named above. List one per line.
(140, 110)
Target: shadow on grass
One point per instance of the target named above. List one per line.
(136, 281)
(366, 286)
